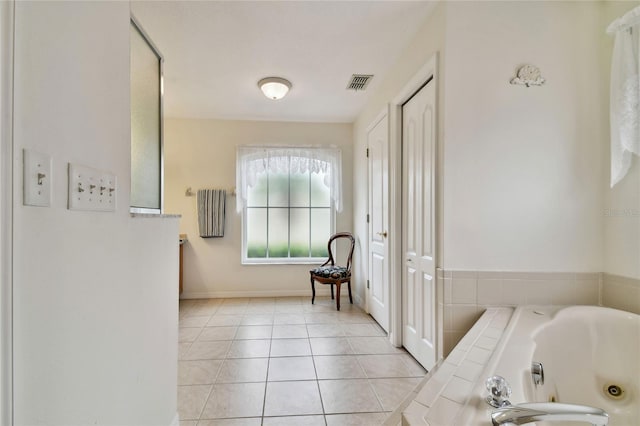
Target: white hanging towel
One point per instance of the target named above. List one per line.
(211, 210)
(625, 93)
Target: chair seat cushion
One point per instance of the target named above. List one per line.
(331, 272)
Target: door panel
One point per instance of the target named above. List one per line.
(418, 230)
(377, 285)
(428, 303)
(411, 185)
(412, 295)
(379, 292)
(427, 182)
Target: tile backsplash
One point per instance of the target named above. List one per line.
(468, 293)
(621, 293)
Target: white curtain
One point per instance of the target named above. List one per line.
(625, 93)
(252, 161)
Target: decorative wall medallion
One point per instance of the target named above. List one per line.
(528, 75)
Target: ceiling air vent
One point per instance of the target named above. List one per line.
(359, 81)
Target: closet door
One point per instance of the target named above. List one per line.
(378, 154)
(418, 225)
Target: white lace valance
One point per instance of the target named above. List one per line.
(252, 161)
(625, 93)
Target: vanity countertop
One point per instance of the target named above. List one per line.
(155, 216)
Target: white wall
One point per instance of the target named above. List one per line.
(201, 154)
(622, 203)
(622, 226)
(521, 170)
(428, 41)
(522, 166)
(95, 294)
(6, 207)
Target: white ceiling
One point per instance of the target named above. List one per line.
(216, 51)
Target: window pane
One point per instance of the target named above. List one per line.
(320, 231)
(256, 232)
(257, 195)
(299, 232)
(279, 232)
(299, 189)
(278, 189)
(320, 194)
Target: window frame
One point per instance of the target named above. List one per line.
(284, 260)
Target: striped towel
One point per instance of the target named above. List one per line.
(211, 212)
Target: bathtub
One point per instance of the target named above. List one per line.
(590, 356)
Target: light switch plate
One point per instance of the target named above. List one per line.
(91, 189)
(36, 178)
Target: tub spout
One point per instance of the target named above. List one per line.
(548, 411)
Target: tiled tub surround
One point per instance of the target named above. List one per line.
(504, 341)
(580, 354)
(621, 293)
(477, 308)
(468, 293)
(284, 361)
(449, 384)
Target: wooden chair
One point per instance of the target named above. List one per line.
(332, 274)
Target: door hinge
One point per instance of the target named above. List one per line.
(367, 152)
(367, 283)
(367, 217)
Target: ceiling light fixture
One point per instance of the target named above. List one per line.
(274, 87)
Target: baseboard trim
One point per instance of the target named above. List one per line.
(176, 420)
(251, 293)
(359, 301)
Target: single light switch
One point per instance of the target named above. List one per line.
(36, 178)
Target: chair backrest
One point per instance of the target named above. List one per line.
(334, 237)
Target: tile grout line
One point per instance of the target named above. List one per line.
(266, 382)
(315, 370)
(210, 390)
(206, 401)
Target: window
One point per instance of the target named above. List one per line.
(288, 205)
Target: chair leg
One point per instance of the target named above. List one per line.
(331, 285)
(338, 295)
(313, 290)
(349, 286)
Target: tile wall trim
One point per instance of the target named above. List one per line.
(620, 292)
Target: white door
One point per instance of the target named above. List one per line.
(378, 152)
(418, 225)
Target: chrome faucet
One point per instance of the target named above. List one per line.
(548, 411)
(499, 391)
(537, 373)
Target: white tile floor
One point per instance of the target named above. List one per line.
(283, 361)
